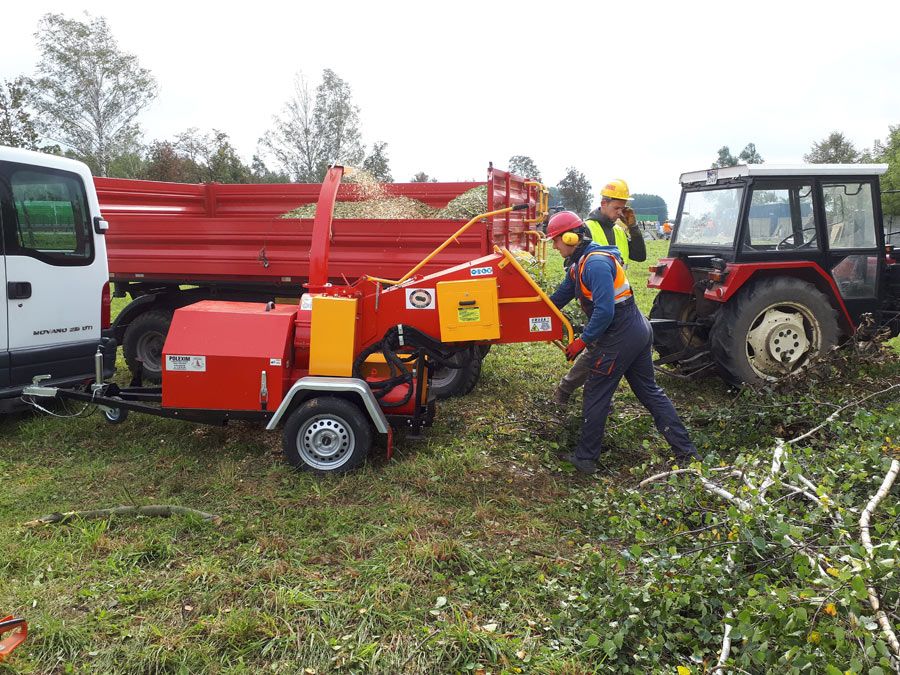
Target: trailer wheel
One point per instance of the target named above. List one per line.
(772, 328)
(115, 415)
(327, 435)
(447, 382)
(143, 343)
(680, 307)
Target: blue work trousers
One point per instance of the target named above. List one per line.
(625, 350)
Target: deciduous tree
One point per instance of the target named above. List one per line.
(422, 177)
(834, 149)
(314, 132)
(650, 205)
(377, 163)
(575, 192)
(524, 166)
(87, 91)
(17, 128)
(749, 155)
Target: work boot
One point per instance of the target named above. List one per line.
(686, 459)
(585, 466)
(560, 397)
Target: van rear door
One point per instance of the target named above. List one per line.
(4, 333)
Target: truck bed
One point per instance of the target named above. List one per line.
(209, 233)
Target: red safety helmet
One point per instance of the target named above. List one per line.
(564, 221)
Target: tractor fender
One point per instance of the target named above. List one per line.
(739, 274)
(308, 387)
(671, 274)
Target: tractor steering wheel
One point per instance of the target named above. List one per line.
(785, 245)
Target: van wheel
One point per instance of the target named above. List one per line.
(447, 382)
(772, 328)
(327, 435)
(143, 343)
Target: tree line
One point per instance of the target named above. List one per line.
(86, 96)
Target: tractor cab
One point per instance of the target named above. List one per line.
(773, 232)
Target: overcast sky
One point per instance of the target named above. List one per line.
(639, 90)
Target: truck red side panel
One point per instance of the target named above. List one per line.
(197, 233)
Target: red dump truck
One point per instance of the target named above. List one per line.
(170, 245)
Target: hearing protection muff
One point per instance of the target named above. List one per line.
(575, 237)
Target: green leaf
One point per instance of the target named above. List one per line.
(859, 587)
(592, 641)
(832, 670)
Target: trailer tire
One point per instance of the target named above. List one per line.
(680, 307)
(327, 435)
(143, 343)
(772, 328)
(448, 382)
(115, 415)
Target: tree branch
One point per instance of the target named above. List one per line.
(162, 510)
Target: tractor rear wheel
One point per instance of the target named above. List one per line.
(447, 382)
(327, 435)
(680, 307)
(772, 328)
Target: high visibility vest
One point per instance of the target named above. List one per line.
(621, 288)
(599, 236)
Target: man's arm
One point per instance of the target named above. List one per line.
(637, 248)
(564, 293)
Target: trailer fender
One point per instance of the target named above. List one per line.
(306, 387)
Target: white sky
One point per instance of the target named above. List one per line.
(641, 90)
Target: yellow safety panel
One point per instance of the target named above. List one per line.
(468, 310)
(332, 336)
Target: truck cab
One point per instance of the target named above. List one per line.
(53, 272)
(770, 266)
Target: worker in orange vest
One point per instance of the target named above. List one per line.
(615, 343)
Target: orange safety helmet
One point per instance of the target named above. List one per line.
(565, 223)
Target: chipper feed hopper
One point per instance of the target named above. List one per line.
(344, 363)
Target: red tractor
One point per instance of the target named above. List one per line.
(771, 266)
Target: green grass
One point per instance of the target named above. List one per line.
(474, 549)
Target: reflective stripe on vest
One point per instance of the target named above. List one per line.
(621, 287)
(599, 236)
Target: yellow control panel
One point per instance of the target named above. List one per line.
(468, 310)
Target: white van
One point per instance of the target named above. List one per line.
(53, 272)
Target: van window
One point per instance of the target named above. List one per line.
(52, 220)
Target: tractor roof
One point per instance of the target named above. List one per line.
(710, 176)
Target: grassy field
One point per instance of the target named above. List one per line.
(475, 549)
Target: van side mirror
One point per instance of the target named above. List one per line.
(100, 225)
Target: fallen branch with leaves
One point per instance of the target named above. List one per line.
(814, 494)
(158, 510)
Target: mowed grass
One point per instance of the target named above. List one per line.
(461, 554)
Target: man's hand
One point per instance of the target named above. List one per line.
(628, 216)
(575, 348)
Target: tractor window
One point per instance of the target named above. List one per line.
(781, 219)
(709, 217)
(856, 276)
(849, 215)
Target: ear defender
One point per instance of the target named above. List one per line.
(571, 238)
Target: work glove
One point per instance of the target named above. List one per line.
(575, 348)
(628, 216)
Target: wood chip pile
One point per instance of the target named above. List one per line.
(377, 203)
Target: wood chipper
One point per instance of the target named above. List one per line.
(346, 361)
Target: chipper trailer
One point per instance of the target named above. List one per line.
(350, 360)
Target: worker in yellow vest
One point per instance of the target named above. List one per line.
(613, 223)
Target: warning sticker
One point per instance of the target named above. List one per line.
(419, 298)
(539, 324)
(468, 314)
(191, 364)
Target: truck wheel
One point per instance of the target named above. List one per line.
(681, 307)
(447, 382)
(143, 343)
(327, 435)
(772, 328)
